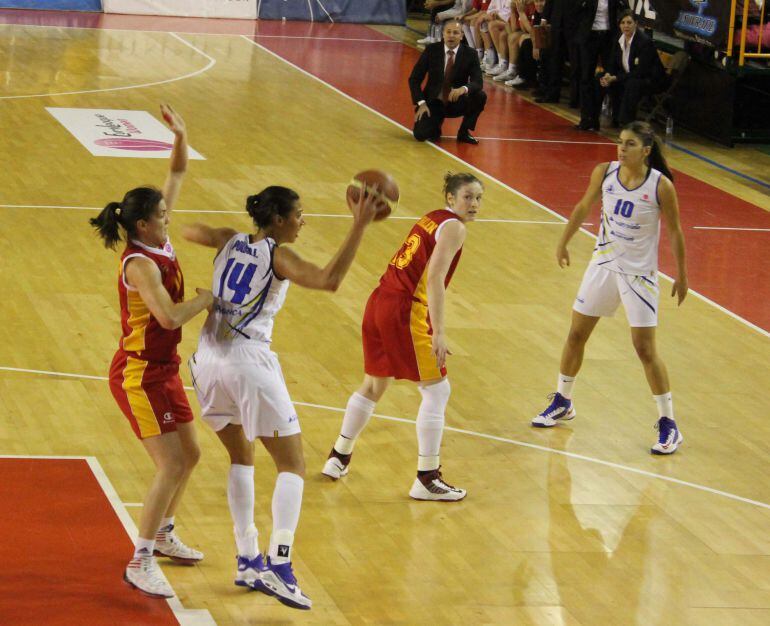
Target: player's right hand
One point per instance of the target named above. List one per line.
(366, 207)
(207, 296)
(421, 110)
(440, 349)
(562, 255)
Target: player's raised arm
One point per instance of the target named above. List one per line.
(178, 160)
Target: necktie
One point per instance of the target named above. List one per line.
(446, 87)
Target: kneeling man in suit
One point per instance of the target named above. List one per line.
(453, 88)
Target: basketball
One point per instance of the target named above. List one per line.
(388, 191)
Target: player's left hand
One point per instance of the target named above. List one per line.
(456, 94)
(679, 288)
(440, 349)
(173, 120)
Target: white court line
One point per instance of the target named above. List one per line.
(591, 143)
(241, 212)
(186, 617)
(321, 38)
(762, 230)
(211, 63)
(133, 504)
(474, 433)
(433, 146)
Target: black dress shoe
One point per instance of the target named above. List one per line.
(465, 137)
(586, 126)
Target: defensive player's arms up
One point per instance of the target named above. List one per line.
(144, 276)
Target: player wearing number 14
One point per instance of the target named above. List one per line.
(403, 335)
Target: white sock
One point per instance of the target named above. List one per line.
(665, 404)
(166, 525)
(287, 502)
(144, 547)
(430, 423)
(358, 412)
(240, 497)
(247, 542)
(503, 61)
(564, 385)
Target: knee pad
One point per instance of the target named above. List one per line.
(435, 397)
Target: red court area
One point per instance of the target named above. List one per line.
(63, 550)
(523, 145)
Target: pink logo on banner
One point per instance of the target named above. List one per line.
(150, 145)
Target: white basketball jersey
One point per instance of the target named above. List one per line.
(630, 229)
(247, 294)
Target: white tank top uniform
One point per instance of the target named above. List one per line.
(624, 265)
(237, 378)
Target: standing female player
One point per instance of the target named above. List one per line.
(144, 375)
(404, 336)
(238, 379)
(635, 190)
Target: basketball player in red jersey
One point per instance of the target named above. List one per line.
(404, 336)
(144, 375)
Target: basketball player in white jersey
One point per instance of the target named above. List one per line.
(238, 379)
(636, 190)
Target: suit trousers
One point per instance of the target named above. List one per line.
(469, 107)
(598, 44)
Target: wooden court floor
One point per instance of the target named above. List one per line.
(576, 525)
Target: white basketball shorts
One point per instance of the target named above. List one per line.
(244, 386)
(602, 291)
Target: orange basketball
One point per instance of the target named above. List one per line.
(387, 191)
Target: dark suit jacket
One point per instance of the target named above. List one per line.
(466, 72)
(643, 60)
(587, 14)
(562, 14)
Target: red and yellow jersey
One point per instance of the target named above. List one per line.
(408, 269)
(143, 337)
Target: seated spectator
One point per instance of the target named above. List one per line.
(457, 11)
(521, 11)
(435, 7)
(499, 27)
(453, 87)
(470, 28)
(528, 61)
(633, 72)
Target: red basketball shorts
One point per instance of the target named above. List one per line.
(397, 338)
(150, 394)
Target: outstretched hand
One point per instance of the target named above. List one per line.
(173, 120)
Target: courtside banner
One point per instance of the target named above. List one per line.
(244, 9)
(51, 5)
(117, 133)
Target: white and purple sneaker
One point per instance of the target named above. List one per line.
(249, 573)
(560, 409)
(279, 579)
(669, 437)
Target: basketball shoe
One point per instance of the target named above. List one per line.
(280, 581)
(168, 544)
(669, 437)
(250, 572)
(560, 409)
(144, 574)
(431, 486)
(336, 465)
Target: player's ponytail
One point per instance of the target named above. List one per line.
(138, 204)
(271, 201)
(453, 182)
(656, 160)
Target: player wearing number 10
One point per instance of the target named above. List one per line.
(403, 335)
(238, 379)
(635, 191)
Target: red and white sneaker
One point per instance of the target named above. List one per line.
(169, 545)
(431, 486)
(144, 574)
(336, 465)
